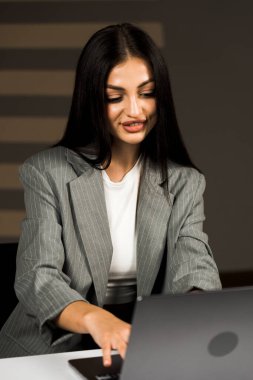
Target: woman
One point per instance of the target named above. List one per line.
(114, 210)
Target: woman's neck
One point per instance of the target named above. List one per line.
(123, 160)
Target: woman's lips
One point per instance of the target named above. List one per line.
(134, 126)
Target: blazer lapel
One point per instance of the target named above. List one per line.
(153, 212)
(89, 208)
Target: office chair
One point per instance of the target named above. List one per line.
(7, 276)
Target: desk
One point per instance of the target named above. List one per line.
(43, 367)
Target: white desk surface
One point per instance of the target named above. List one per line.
(43, 367)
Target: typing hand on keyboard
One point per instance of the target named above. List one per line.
(108, 331)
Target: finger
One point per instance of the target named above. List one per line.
(107, 360)
(122, 347)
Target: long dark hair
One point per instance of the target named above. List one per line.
(88, 121)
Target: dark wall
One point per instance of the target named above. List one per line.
(210, 55)
(208, 47)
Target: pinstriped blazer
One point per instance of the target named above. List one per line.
(65, 247)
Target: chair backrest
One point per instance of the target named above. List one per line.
(7, 276)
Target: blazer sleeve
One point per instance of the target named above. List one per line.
(192, 264)
(41, 284)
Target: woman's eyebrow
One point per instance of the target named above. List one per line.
(146, 82)
(111, 86)
(115, 87)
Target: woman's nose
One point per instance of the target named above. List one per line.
(133, 107)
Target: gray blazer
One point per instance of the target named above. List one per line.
(65, 247)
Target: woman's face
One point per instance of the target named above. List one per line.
(131, 102)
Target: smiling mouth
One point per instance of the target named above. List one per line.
(135, 126)
(131, 122)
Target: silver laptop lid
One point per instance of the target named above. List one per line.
(196, 336)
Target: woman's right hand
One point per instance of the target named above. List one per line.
(108, 331)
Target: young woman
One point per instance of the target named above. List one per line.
(114, 210)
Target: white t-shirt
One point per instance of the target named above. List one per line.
(121, 202)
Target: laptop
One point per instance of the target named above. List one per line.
(194, 336)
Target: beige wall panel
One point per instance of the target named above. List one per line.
(9, 176)
(36, 82)
(10, 222)
(31, 130)
(62, 35)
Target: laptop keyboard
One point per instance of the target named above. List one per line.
(93, 368)
(108, 376)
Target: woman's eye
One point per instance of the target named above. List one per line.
(148, 94)
(114, 100)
